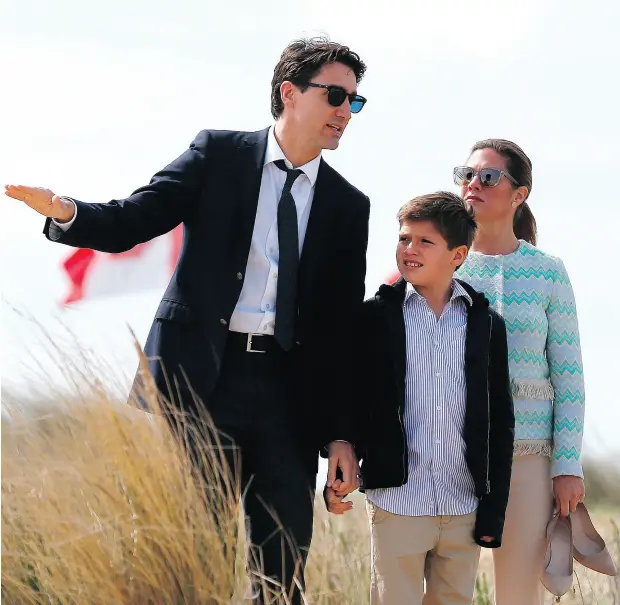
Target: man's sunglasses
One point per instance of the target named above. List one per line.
(336, 96)
(489, 177)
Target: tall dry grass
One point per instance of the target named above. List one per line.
(100, 506)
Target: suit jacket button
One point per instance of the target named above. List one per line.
(223, 321)
(239, 275)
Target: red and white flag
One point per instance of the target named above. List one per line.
(146, 266)
(392, 277)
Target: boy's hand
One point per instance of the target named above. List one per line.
(335, 503)
(486, 539)
(342, 458)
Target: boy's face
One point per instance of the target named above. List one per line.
(423, 256)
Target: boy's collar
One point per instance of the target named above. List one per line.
(398, 288)
(457, 291)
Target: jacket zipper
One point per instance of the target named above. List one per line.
(488, 483)
(399, 412)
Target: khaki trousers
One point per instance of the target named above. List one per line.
(406, 551)
(519, 562)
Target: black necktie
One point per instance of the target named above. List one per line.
(288, 263)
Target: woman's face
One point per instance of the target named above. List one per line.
(490, 203)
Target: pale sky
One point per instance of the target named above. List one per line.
(96, 97)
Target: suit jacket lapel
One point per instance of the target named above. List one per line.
(250, 159)
(321, 213)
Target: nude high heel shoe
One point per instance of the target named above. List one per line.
(588, 546)
(557, 576)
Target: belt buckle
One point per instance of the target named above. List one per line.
(248, 346)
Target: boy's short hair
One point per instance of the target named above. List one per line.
(452, 217)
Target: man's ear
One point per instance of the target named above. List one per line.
(287, 93)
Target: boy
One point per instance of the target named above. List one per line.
(439, 422)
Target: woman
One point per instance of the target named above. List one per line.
(531, 290)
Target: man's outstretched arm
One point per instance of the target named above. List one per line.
(119, 225)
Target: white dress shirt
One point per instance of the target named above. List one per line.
(255, 311)
(439, 480)
(256, 308)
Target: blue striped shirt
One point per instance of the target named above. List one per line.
(439, 481)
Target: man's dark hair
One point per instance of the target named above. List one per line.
(302, 59)
(449, 214)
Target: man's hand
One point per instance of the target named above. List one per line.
(342, 455)
(43, 201)
(334, 503)
(568, 490)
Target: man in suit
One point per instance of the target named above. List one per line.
(257, 323)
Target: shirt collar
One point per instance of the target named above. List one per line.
(457, 292)
(274, 152)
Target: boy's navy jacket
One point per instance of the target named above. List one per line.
(489, 417)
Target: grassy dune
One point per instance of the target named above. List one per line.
(99, 506)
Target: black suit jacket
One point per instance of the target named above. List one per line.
(489, 418)
(213, 190)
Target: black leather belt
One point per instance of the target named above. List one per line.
(253, 343)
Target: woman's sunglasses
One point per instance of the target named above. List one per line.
(489, 177)
(336, 96)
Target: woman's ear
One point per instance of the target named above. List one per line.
(520, 196)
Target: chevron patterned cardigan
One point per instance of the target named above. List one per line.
(532, 292)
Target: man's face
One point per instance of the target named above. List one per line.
(316, 121)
